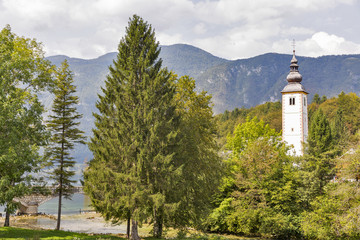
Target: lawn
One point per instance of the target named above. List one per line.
(12, 233)
(21, 233)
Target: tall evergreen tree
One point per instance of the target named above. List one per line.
(316, 99)
(23, 71)
(339, 131)
(65, 133)
(320, 138)
(136, 128)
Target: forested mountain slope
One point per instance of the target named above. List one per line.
(232, 83)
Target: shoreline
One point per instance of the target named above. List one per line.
(90, 223)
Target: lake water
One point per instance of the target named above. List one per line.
(78, 202)
(71, 219)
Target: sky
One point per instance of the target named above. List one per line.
(231, 29)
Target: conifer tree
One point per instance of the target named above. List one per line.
(63, 125)
(316, 99)
(134, 138)
(320, 138)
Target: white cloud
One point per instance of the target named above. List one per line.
(328, 44)
(167, 39)
(227, 28)
(200, 28)
(297, 31)
(320, 43)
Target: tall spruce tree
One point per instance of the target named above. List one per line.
(320, 137)
(63, 125)
(136, 129)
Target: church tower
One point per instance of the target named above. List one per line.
(294, 111)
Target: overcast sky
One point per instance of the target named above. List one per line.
(232, 29)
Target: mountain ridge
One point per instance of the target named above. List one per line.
(232, 83)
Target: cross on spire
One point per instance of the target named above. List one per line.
(293, 44)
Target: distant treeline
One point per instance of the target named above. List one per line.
(270, 113)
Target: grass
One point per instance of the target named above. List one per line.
(12, 233)
(27, 234)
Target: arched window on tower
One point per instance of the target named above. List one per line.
(292, 101)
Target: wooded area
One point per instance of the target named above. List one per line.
(161, 157)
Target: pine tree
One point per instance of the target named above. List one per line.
(320, 137)
(316, 99)
(65, 134)
(134, 138)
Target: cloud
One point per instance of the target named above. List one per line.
(320, 43)
(227, 28)
(200, 28)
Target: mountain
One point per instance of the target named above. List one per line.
(232, 83)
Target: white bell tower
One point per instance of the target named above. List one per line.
(294, 111)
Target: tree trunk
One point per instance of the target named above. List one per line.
(128, 228)
(158, 223)
(7, 218)
(134, 230)
(59, 206)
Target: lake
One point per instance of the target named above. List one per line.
(78, 202)
(71, 219)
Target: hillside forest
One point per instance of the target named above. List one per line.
(315, 196)
(161, 157)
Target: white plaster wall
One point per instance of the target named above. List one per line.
(305, 118)
(295, 121)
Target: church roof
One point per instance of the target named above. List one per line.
(294, 78)
(294, 87)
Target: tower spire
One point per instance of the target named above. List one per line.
(293, 45)
(294, 75)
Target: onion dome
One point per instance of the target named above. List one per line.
(294, 75)
(294, 78)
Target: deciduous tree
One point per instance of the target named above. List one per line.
(23, 72)
(197, 160)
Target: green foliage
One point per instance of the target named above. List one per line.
(197, 158)
(135, 136)
(63, 124)
(260, 191)
(317, 100)
(266, 197)
(348, 165)
(320, 138)
(23, 72)
(155, 155)
(269, 112)
(318, 208)
(314, 173)
(335, 214)
(240, 84)
(343, 113)
(244, 134)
